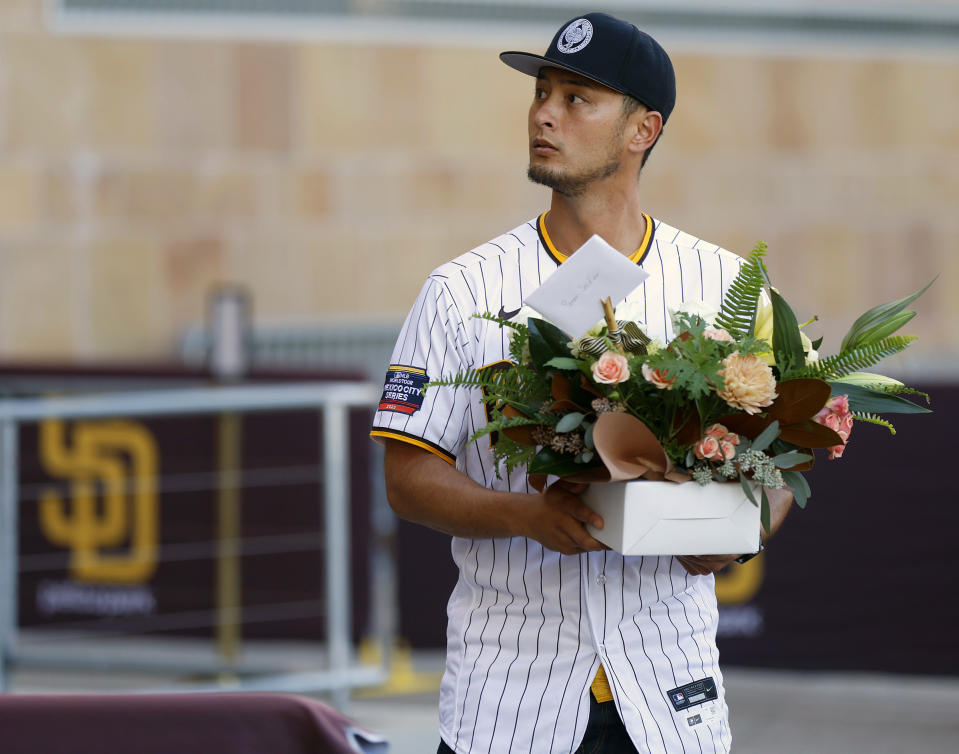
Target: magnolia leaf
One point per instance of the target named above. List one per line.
(688, 426)
(560, 388)
(875, 401)
(799, 486)
(522, 434)
(563, 362)
(766, 436)
(546, 341)
(810, 434)
(569, 422)
(787, 343)
(747, 425)
(798, 400)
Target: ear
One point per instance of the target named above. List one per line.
(644, 128)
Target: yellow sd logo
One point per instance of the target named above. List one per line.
(98, 456)
(740, 583)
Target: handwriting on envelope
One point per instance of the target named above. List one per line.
(571, 297)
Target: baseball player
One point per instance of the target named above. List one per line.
(555, 643)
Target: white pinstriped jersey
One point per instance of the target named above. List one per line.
(528, 627)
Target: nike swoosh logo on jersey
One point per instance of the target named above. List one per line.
(503, 314)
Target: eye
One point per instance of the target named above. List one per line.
(575, 99)
(540, 93)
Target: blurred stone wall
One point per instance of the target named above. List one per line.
(330, 178)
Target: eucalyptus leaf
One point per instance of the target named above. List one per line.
(766, 437)
(569, 422)
(764, 512)
(799, 486)
(747, 489)
(790, 459)
(588, 436)
(563, 362)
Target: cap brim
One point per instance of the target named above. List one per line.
(526, 62)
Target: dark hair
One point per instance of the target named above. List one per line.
(630, 106)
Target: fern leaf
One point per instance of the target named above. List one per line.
(874, 419)
(854, 360)
(738, 310)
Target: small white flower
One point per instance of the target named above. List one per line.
(699, 309)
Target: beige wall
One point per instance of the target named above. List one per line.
(330, 178)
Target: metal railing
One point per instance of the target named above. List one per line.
(332, 399)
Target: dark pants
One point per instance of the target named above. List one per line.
(605, 732)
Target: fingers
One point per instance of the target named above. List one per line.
(562, 494)
(701, 565)
(561, 525)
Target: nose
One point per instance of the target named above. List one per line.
(544, 113)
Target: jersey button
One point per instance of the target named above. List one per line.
(601, 579)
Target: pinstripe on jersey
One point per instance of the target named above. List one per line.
(528, 627)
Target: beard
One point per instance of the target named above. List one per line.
(571, 184)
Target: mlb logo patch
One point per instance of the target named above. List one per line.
(678, 697)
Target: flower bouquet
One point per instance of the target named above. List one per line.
(739, 395)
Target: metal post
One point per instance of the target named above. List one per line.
(229, 622)
(9, 564)
(337, 535)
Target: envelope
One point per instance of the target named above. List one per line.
(571, 298)
(665, 518)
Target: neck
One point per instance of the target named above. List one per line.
(617, 218)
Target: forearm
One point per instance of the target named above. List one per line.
(425, 489)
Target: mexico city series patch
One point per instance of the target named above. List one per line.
(403, 389)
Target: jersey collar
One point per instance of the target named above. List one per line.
(637, 256)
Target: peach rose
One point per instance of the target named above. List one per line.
(658, 377)
(728, 448)
(750, 383)
(611, 368)
(717, 333)
(718, 431)
(707, 448)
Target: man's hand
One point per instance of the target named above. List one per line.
(700, 565)
(558, 518)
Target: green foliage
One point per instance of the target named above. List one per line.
(511, 454)
(873, 419)
(737, 316)
(872, 400)
(880, 322)
(857, 359)
(787, 343)
(546, 341)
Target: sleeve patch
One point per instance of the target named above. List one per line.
(403, 390)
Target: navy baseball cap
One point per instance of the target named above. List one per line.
(614, 53)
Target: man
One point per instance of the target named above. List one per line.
(554, 641)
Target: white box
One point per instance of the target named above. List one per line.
(666, 518)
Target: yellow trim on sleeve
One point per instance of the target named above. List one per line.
(413, 441)
(636, 256)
